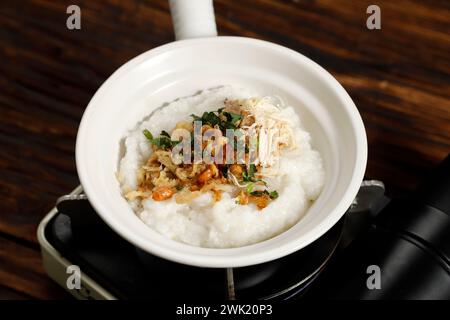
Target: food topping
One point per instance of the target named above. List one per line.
(259, 137)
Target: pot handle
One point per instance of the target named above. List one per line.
(193, 18)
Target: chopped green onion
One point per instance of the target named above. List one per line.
(249, 175)
(232, 117)
(163, 141)
(273, 194)
(165, 134)
(148, 134)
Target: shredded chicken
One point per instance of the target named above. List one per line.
(164, 181)
(132, 195)
(164, 157)
(274, 133)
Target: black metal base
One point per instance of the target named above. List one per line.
(129, 273)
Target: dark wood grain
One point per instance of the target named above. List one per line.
(399, 78)
(22, 275)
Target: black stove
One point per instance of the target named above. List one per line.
(130, 273)
(81, 238)
(401, 253)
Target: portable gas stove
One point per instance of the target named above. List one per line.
(111, 268)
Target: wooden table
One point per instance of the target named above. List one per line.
(399, 77)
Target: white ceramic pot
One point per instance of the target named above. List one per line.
(182, 68)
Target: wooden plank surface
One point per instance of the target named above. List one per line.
(22, 274)
(399, 78)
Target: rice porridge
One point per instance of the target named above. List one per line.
(221, 205)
